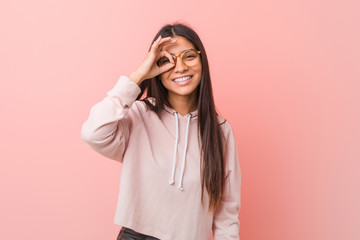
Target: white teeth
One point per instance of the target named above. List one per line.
(182, 79)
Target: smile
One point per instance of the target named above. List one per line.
(182, 79)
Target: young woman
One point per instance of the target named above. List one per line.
(180, 176)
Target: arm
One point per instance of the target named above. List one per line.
(225, 221)
(108, 126)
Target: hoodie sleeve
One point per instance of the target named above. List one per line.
(110, 121)
(226, 223)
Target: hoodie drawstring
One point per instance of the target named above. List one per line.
(175, 150)
(186, 142)
(176, 143)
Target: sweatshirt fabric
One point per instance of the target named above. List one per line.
(160, 180)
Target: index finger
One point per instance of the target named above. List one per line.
(167, 42)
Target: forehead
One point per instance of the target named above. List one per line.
(179, 46)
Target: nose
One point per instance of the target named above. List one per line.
(179, 65)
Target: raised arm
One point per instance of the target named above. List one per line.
(110, 121)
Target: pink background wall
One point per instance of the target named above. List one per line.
(285, 75)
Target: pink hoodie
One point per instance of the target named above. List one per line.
(160, 188)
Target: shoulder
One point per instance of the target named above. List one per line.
(145, 109)
(143, 106)
(139, 111)
(140, 106)
(225, 126)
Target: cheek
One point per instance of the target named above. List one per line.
(164, 76)
(163, 79)
(199, 69)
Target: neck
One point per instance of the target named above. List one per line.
(183, 104)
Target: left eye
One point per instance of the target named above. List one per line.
(189, 56)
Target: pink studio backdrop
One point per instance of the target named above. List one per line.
(285, 75)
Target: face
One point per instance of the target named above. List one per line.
(174, 80)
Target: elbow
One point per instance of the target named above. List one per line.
(96, 138)
(86, 134)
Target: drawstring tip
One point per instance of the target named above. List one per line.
(171, 182)
(181, 188)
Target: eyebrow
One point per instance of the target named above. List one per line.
(182, 51)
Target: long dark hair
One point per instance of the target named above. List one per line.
(211, 135)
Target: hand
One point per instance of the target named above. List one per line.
(149, 68)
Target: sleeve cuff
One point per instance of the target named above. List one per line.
(125, 89)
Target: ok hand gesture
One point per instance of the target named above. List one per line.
(149, 68)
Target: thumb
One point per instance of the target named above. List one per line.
(167, 67)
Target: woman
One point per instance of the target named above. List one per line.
(180, 176)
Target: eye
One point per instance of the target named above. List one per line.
(189, 56)
(163, 61)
